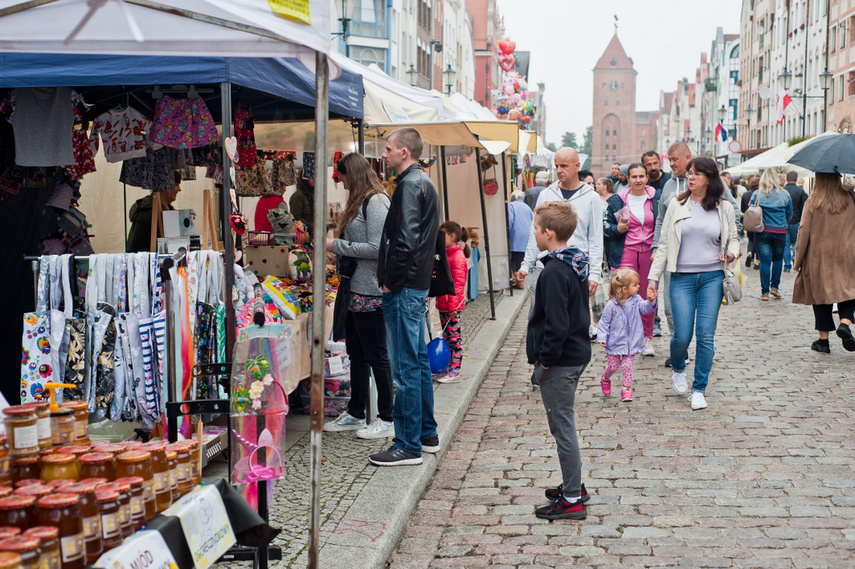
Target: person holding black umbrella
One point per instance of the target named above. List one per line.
(825, 259)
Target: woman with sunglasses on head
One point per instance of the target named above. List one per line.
(698, 236)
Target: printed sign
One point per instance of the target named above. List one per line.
(205, 523)
(143, 550)
(297, 10)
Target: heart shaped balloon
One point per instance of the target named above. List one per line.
(507, 46)
(231, 147)
(506, 62)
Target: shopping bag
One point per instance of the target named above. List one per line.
(598, 302)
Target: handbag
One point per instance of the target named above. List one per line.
(491, 186)
(441, 282)
(731, 285)
(752, 219)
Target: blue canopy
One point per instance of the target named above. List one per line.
(262, 84)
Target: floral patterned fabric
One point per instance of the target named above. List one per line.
(245, 134)
(360, 303)
(84, 157)
(152, 172)
(36, 360)
(182, 123)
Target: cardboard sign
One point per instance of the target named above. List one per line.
(205, 524)
(143, 550)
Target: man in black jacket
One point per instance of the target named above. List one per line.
(798, 197)
(404, 269)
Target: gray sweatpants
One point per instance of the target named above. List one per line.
(558, 390)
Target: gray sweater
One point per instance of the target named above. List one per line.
(361, 240)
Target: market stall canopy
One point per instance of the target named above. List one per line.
(267, 86)
(437, 133)
(250, 28)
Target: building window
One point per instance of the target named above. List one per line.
(617, 103)
(369, 19)
(614, 132)
(643, 132)
(734, 75)
(606, 103)
(614, 146)
(607, 132)
(607, 147)
(367, 56)
(833, 35)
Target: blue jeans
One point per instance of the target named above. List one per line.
(404, 313)
(770, 248)
(792, 236)
(695, 294)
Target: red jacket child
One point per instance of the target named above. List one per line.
(459, 269)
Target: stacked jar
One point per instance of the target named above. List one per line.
(81, 420)
(183, 468)
(22, 436)
(48, 537)
(139, 463)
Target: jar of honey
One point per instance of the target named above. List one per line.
(184, 474)
(56, 485)
(42, 422)
(112, 448)
(5, 477)
(81, 419)
(62, 427)
(125, 517)
(34, 490)
(63, 512)
(48, 537)
(111, 524)
(59, 466)
(136, 499)
(17, 511)
(22, 431)
(9, 560)
(25, 468)
(28, 482)
(26, 547)
(195, 468)
(172, 457)
(139, 463)
(160, 471)
(91, 517)
(97, 465)
(6, 491)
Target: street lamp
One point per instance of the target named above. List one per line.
(709, 137)
(449, 75)
(413, 75)
(748, 112)
(785, 77)
(722, 113)
(434, 45)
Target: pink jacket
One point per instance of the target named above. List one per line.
(459, 269)
(641, 235)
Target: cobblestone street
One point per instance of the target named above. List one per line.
(764, 477)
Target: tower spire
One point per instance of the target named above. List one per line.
(616, 22)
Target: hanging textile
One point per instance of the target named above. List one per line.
(254, 181)
(309, 165)
(42, 120)
(123, 133)
(283, 173)
(245, 134)
(84, 156)
(153, 171)
(183, 123)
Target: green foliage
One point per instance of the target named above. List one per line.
(569, 139)
(551, 146)
(796, 139)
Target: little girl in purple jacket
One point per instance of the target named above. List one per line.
(620, 330)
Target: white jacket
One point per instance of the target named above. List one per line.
(588, 236)
(672, 234)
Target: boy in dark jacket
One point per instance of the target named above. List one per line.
(557, 344)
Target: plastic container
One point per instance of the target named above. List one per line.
(21, 430)
(63, 512)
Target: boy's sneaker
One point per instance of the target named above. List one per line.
(648, 348)
(625, 395)
(606, 385)
(378, 429)
(561, 509)
(678, 381)
(697, 401)
(431, 445)
(395, 457)
(345, 422)
(552, 493)
(657, 330)
(452, 376)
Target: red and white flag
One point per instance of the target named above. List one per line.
(783, 100)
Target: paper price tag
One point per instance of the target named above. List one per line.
(336, 365)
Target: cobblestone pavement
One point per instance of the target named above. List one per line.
(764, 477)
(345, 470)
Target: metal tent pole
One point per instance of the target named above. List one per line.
(225, 226)
(486, 234)
(360, 136)
(444, 182)
(507, 221)
(322, 86)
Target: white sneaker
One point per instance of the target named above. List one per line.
(678, 380)
(592, 332)
(344, 422)
(378, 429)
(698, 401)
(648, 350)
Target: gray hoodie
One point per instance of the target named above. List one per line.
(361, 239)
(588, 236)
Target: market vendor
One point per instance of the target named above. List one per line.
(303, 202)
(266, 203)
(139, 237)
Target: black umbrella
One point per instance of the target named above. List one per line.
(828, 154)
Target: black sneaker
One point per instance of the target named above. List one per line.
(430, 444)
(821, 346)
(553, 493)
(561, 509)
(668, 362)
(845, 334)
(395, 457)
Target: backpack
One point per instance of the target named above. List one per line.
(752, 219)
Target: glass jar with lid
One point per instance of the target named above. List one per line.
(9, 560)
(81, 419)
(42, 422)
(184, 474)
(17, 511)
(62, 427)
(6, 491)
(26, 547)
(63, 512)
(60, 466)
(137, 502)
(34, 490)
(172, 457)
(5, 477)
(22, 431)
(195, 467)
(56, 485)
(9, 531)
(24, 468)
(91, 517)
(48, 537)
(97, 465)
(125, 517)
(160, 471)
(138, 463)
(111, 523)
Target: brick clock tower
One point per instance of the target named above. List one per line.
(613, 133)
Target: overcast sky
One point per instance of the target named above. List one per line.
(664, 38)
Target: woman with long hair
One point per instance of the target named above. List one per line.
(365, 331)
(825, 259)
(698, 237)
(777, 209)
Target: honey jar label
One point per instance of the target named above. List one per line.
(148, 489)
(136, 504)
(92, 526)
(26, 437)
(53, 560)
(161, 482)
(72, 547)
(4, 467)
(43, 426)
(81, 429)
(111, 524)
